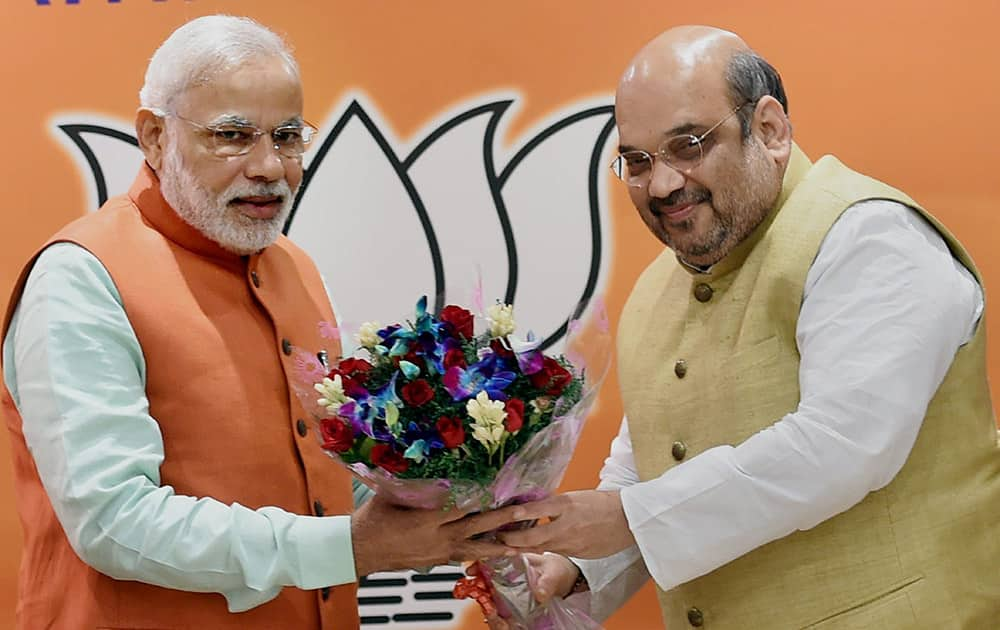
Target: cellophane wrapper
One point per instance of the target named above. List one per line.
(533, 472)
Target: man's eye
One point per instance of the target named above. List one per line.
(684, 148)
(636, 162)
(233, 135)
(291, 135)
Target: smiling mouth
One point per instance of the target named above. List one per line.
(677, 213)
(258, 207)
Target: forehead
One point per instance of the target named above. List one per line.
(652, 101)
(263, 91)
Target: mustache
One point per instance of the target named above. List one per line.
(273, 189)
(679, 197)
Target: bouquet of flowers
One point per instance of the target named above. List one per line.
(434, 414)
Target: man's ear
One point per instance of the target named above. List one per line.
(151, 133)
(772, 127)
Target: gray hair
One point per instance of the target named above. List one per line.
(751, 77)
(202, 49)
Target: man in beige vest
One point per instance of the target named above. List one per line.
(166, 474)
(809, 438)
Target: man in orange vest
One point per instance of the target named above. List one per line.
(166, 476)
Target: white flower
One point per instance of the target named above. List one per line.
(501, 319)
(368, 335)
(488, 416)
(490, 437)
(521, 346)
(332, 392)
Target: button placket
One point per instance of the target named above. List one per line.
(678, 450)
(680, 368)
(703, 292)
(695, 617)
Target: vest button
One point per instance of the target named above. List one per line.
(681, 368)
(695, 618)
(703, 292)
(255, 279)
(286, 346)
(318, 508)
(679, 450)
(300, 426)
(325, 593)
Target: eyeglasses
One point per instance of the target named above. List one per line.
(234, 139)
(682, 153)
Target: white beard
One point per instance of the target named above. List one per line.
(213, 216)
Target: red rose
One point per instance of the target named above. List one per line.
(451, 430)
(515, 415)
(352, 387)
(386, 458)
(454, 358)
(417, 392)
(460, 318)
(337, 435)
(552, 378)
(357, 369)
(499, 349)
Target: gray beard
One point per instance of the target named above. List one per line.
(213, 216)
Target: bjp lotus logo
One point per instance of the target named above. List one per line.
(388, 221)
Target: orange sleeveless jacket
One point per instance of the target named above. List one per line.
(216, 331)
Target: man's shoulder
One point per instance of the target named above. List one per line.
(115, 210)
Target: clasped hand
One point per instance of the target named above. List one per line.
(582, 524)
(388, 537)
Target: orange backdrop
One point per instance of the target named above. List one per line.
(903, 90)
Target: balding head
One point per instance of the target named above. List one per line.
(685, 55)
(700, 58)
(703, 88)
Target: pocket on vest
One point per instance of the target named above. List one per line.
(888, 609)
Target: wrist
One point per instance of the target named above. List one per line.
(573, 581)
(580, 584)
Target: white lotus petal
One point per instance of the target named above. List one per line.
(452, 179)
(107, 144)
(361, 227)
(561, 245)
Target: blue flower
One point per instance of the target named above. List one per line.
(489, 375)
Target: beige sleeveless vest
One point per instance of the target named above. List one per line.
(710, 359)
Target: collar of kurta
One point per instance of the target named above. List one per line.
(798, 166)
(146, 195)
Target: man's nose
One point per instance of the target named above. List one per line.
(664, 179)
(264, 162)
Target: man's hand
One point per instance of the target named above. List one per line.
(552, 575)
(584, 524)
(387, 537)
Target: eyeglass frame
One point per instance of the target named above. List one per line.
(308, 131)
(697, 140)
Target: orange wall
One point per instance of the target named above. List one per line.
(904, 90)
